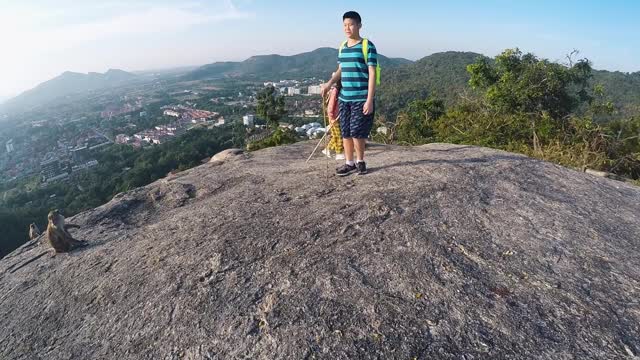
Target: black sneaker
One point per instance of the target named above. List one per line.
(345, 170)
(362, 168)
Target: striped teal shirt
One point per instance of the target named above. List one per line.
(355, 72)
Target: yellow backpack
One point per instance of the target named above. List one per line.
(365, 52)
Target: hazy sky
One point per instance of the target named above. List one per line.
(41, 39)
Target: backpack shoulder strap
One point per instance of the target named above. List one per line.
(365, 49)
(344, 43)
(365, 52)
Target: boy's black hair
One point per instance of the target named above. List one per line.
(353, 16)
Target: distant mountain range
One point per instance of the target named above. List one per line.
(443, 74)
(66, 84)
(317, 63)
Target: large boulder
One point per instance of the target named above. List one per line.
(440, 252)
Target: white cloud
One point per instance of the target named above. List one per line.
(32, 36)
(153, 20)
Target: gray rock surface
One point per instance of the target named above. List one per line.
(226, 155)
(440, 252)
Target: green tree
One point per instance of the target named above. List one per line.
(517, 83)
(532, 90)
(414, 124)
(271, 106)
(600, 105)
(625, 149)
(238, 134)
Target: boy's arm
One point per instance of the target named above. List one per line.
(334, 79)
(368, 106)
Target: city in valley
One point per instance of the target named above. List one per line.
(55, 142)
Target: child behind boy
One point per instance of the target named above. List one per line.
(333, 113)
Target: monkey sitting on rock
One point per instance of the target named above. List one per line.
(34, 232)
(59, 237)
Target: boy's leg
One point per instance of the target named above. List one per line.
(359, 145)
(348, 149)
(361, 125)
(345, 129)
(347, 140)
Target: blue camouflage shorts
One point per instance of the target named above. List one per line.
(353, 123)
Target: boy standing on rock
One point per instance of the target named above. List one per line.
(358, 60)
